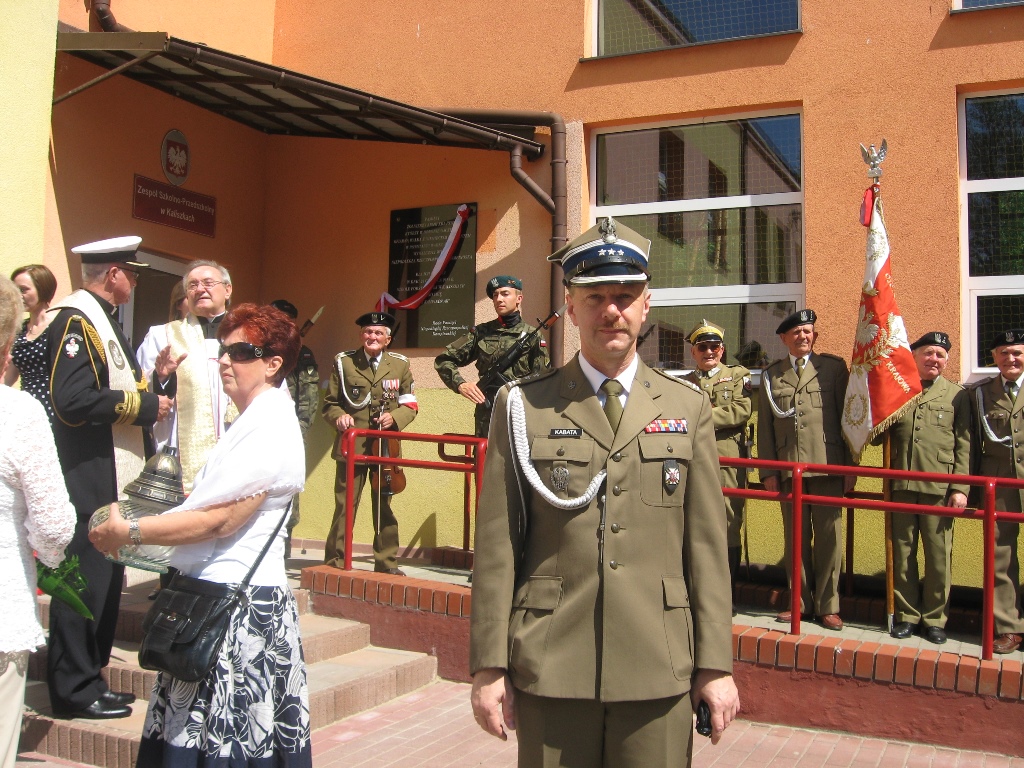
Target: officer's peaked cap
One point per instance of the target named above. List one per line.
(609, 252)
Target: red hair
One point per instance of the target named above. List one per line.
(265, 327)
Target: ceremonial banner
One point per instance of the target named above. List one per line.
(883, 377)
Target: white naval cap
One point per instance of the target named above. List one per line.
(115, 250)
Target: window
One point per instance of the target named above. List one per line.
(969, 5)
(722, 203)
(634, 26)
(992, 218)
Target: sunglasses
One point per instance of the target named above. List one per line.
(705, 346)
(241, 352)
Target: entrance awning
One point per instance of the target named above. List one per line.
(275, 100)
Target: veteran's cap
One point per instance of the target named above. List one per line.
(287, 307)
(933, 339)
(1007, 337)
(609, 252)
(705, 331)
(377, 318)
(116, 250)
(503, 281)
(803, 317)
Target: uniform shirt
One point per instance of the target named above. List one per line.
(729, 388)
(304, 387)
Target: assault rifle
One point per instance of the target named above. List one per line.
(494, 377)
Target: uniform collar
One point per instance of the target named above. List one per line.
(511, 320)
(596, 378)
(708, 374)
(372, 360)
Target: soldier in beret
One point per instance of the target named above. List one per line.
(370, 388)
(998, 411)
(601, 606)
(103, 414)
(729, 388)
(486, 343)
(799, 412)
(933, 436)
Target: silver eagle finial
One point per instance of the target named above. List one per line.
(874, 159)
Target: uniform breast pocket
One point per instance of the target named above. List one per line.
(783, 397)
(721, 395)
(563, 464)
(818, 393)
(939, 415)
(664, 460)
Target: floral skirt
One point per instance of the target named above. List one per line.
(253, 708)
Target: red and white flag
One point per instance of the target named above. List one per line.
(883, 375)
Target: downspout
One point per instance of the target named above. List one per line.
(556, 204)
(101, 11)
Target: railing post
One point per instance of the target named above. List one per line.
(466, 480)
(988, 587)
(349, 449)
(796, 562)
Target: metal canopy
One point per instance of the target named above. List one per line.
(275, 100)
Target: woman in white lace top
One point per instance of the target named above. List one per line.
(35, 514)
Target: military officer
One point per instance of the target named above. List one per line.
(487, 342)
(799, 411)
(933, 436)
(371, 388)
(729, 388)
(601, 596)
(998, 411)
(103, 412)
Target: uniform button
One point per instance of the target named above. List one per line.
(617, 456)
(917, 429)
(670, 449)
(917, 440)
(603, 498)
(615, 527)
(613, 564)
(560, 452)
(616, 490)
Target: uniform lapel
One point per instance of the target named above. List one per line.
(641, 408)
(810, 372)
(362, 366)
(789, 374)
(998, 396)
(582, 407)
(933, 392)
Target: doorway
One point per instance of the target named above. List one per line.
(150, 300)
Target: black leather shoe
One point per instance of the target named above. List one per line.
(935, 635)
(389, 571)
(902, 630)
(98, 710)
(118, 699)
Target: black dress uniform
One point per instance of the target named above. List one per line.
(86, 408)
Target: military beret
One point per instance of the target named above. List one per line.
(705, 331)
(803, 317)
(287, 307)
(606, 253)
(377, 318)
(503, 281)
(933, 339)
(1007, 337)
(116, 250)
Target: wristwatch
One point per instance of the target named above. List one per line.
(134, 533)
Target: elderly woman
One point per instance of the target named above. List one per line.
(253, 707)
(35, 513)
(30, 355)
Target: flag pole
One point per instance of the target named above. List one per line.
(890, 587)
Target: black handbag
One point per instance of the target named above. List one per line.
(185, 627)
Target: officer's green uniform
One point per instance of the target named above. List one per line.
(729, 388)
(304, 386)
(483, 344)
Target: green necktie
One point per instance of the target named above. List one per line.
(800, 362)
(612, 405)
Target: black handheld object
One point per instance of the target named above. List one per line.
(703, 718)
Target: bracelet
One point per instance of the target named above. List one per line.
(134, 533)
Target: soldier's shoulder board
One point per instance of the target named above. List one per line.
(403, 358)
(830, 356)
(533, 378)
(342, 355)
(678, 380)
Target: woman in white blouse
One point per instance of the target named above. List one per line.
(253, 706)
(35, 514)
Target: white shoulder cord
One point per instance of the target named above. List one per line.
(340, 362)
(984, 421)
(779, 414)
(517, 418)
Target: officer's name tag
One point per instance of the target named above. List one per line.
(566, 432)
(667, 425)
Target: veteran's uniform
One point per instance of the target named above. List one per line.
(799, 420)
(358, 390)
(484, 344)
(933, 436)
(103, 411)
(999, 452)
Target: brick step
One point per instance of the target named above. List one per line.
(338, 687)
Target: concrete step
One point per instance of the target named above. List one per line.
(339, 686)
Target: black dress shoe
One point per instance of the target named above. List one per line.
(935, 635)
(902, 630)
(118, 699)
(98, 710)
(389, 571)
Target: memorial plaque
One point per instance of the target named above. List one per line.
(418, 239)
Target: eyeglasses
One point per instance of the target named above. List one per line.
(194, 285)
(132, 274)
(708, 346)
(241, 352)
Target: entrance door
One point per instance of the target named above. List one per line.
(151, 298)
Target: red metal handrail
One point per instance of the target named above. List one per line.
(987, 514)
(448, 464)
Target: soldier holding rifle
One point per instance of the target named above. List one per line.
(491, 346)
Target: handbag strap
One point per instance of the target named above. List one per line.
(266, 547)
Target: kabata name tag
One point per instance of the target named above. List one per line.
(667, 425)
(566, 432)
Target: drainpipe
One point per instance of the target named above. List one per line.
(101, 10)
(556, 203)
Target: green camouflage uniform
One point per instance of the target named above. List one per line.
(485, 343)
(304, 385)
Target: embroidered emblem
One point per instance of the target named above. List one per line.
(566, 432)
(670, 474)
(747, 385)
(115, 355)
(72, 347)
(560, 479)
(572, 385)
(667, 425)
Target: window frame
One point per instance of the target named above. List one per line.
(713, 294)
(957, 6)
(971, 288)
